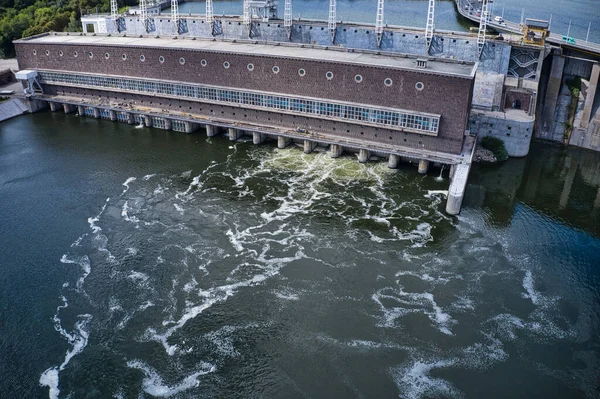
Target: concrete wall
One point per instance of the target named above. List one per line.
(515, 133)
(402, 94)
(495, 58)
(487, 92)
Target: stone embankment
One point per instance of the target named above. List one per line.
(11, 108)
(484, 156)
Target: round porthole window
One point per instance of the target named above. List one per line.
(275, 69)
(419, 86)
(142, 58)
(124, 57)
(90, 54)
(161, 59)
(106, 55)
(34, 52)
(358, 78)
(226, 65)
(250, 67)
(60, 53)
(301, 72)
(203, 63)
(47, 52)
(329, 75)
(182, 60)
(75, 54)
(388, 82)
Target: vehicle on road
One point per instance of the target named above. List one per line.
(568, 39)
(498, 19)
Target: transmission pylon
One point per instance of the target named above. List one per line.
(114, 10)
(175, 13)
(332, 23)
(430, 24)
(287, 17)
(379, 22)
(144, 15)
(482, 26)
(209, 16)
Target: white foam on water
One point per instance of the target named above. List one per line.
(49, 378)
(132, 251)
(92, 221)
(432, 193)
(178, 208)
(153, 383)
(415, 381)
(81, 261)
(287, 296)
(148, 177)
(528, 285)
(186, 175)
(126, 184)
(138, 276)
(125, 215)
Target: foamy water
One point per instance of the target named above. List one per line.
(215, 282)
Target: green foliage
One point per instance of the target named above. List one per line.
(496, 146)
(574, 85)
(22, 18)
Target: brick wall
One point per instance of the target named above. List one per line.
(445, 95)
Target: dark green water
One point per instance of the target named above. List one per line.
(143, 263)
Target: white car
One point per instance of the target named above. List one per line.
(498, 19)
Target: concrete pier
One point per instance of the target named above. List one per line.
(130, 118)
(423, 166)
(68, 108)
(336, 150)
(452, 171)
(283, 142)
(309, 146)
(190, 127)
(456, 192)
(211, 131)
(258, 137)
(364, 155)
(113, 115)
(234, 134)
(148, 120)
(97, 113)
(552, 92)
(393, 161)
(589, 98)
(80, 110)
(54, 106)
(168, 124)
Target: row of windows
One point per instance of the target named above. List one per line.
(392, 118)
(302, 72)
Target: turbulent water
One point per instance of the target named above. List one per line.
(144, 263)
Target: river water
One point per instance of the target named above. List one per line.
(142, 263)
(580, 13)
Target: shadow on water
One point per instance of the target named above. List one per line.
(561, 183)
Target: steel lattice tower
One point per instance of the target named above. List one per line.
(379, 22)
(332, 24)
(287, 17)
(114, 10)
(175, 13)
(430, 24)
(247, 17)
(144, 14)
(482, 26)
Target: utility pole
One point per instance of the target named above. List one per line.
(522, 15)
(550, 22)
(569, 29)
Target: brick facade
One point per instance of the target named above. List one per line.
(449, 96)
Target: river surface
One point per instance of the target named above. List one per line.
(140, 263)
(413, 13)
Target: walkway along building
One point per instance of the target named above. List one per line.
(388, 103)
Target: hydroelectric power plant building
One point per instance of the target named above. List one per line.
(398, 93)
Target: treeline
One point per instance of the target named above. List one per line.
(22, 18)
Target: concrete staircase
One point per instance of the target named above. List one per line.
(11, 108)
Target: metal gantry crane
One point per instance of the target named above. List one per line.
(379, 22)
(287, 17)
(331, 25)
(482, 26)
(430, 24)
